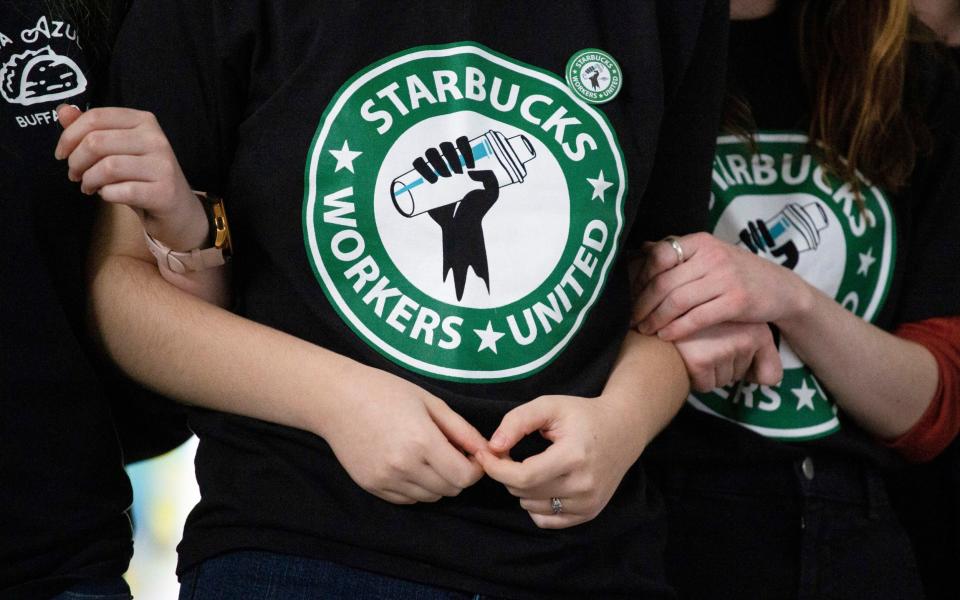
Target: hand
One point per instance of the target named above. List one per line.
(446, 162)
(123, 155)
(729, 352)
(461, 221)
(718, 282)
(399, 442)
(592, 448)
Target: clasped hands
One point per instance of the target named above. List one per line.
(404, 445)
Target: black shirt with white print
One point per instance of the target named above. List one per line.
(893, 261)
(441, 191)
(63, 493)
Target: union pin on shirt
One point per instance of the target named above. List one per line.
(462, 211)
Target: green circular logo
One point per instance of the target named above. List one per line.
(594, 76)
(781, 204)
(462, 211)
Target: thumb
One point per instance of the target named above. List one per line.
(486, 177)
(520, 422)
(767, 369)
(67, 114)
(456, 429)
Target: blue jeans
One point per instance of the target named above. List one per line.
(103, 589)
(267, 576)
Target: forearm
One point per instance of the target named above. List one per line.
(196, 352)
(647, 386)
(203, 355)
(883, 382)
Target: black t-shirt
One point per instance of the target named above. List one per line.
(895, 262)
(64, 496)
(487, 289)
(927, 498)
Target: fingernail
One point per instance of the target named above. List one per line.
(61, 105)
(76, 107)
(498, 441)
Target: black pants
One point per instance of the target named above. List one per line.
(927, 499)
(824, 529)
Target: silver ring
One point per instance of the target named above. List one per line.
(675, 244)
(556, 504)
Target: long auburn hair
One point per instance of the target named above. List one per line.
(854, 62)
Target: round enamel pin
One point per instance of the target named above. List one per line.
(594, 76)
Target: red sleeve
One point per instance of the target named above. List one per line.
(941, 421)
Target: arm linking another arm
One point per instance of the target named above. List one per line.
(884, 382)
(395, 440)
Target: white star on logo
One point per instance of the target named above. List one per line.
(600, 186)
(804, 395)
(488, 338)
(345, 157)
(866, 261)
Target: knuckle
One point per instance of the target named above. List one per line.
(660, 286)
(744, 344)
(165, 165)
(110, 166)
(670, 304)
(380, 476)
(578, 457)
(738, 297)
(95, 117)
(524, 480)
(588, 483)
(154, 139)
(462, 480)
(702, 238)
(700, 384)
(397, 462)
(662, 255)
(700, 364)
(716, 255)
(93, 142)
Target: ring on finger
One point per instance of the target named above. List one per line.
(556, 505)
(677, 248)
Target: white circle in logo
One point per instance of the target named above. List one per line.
(525, 231)
(802, 222)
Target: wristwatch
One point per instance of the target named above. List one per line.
(198, 259)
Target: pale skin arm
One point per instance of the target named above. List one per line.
(123, 156)
(883, 382)
(594, 440)
(395, 440)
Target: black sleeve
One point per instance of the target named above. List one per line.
(677, 195)
(931, 285)
(185, 61)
